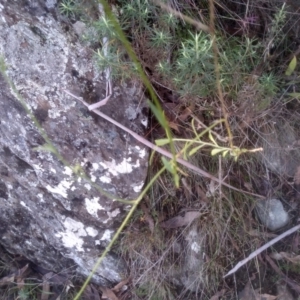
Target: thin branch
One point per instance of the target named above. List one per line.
(217, 68)
(109, 89)
(163, 151)
(263, 248)
(197, 24)
(293, 285)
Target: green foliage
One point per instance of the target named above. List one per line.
(291, 67)
(277, 24)
(268, 85)
(69, 8)
(137, 14)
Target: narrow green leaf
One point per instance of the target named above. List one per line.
(194, 150)
(176, 179)
(162, 142)
(193, 126)
(211, 138)
(46, 147)
(159, 115)
(225, 153)
(291, 68)
(295, 95)
(167, 165)
(216, 151)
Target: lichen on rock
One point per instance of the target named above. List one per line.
(47, 213)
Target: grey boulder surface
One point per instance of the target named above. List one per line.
(48, 214)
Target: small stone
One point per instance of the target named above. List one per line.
(272, 213)
(79, 27)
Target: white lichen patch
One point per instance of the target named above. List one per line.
(107, 235)
(93, 178)
(53, 170)
(95, 166)
(24, 205)
(37, 167)
(142, 151)
(91, 231)
(195, 247)
(88, 186)
(105, 179)
(138, 187)
(92, 206)
(71, 237)
(123, 167)
(68, 171)
(61, 188)
(41, 197)
(112, 215)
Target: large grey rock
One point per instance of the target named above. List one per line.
(272, 213)
(191, 273)
(47, 214)
(281, 151)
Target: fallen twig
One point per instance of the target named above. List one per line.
(197, 24)
(163, 151)
(263, 248)
(109, 90)
(293, 285)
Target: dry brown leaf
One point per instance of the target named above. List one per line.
(249, 293)
(7, 280)
(21, 274)
(181, 220)
(108, 294)
(297, 177)
(119, 286)
(295, 259)
(218, 295)
(201, 195)
(46, 290)
(174, 126)
(185, 114)
(295, 243)
(266, 297)
(148, 217)
(91, 293)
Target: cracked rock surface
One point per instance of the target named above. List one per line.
(47, 214)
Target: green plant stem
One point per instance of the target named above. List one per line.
(120, 229)
(144, 77)
(217, 69)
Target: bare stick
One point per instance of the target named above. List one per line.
(109, 89)
(197, 24)
(163, 151)
(293, 285)
(263, 248)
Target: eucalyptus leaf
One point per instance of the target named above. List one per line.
(295, 95)
(216, 151)
(194, 150)
(212, 138)
(225, 153)
(291, 67)
(167, 164)
(46, 147)
(159, 115)
(162, 142)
